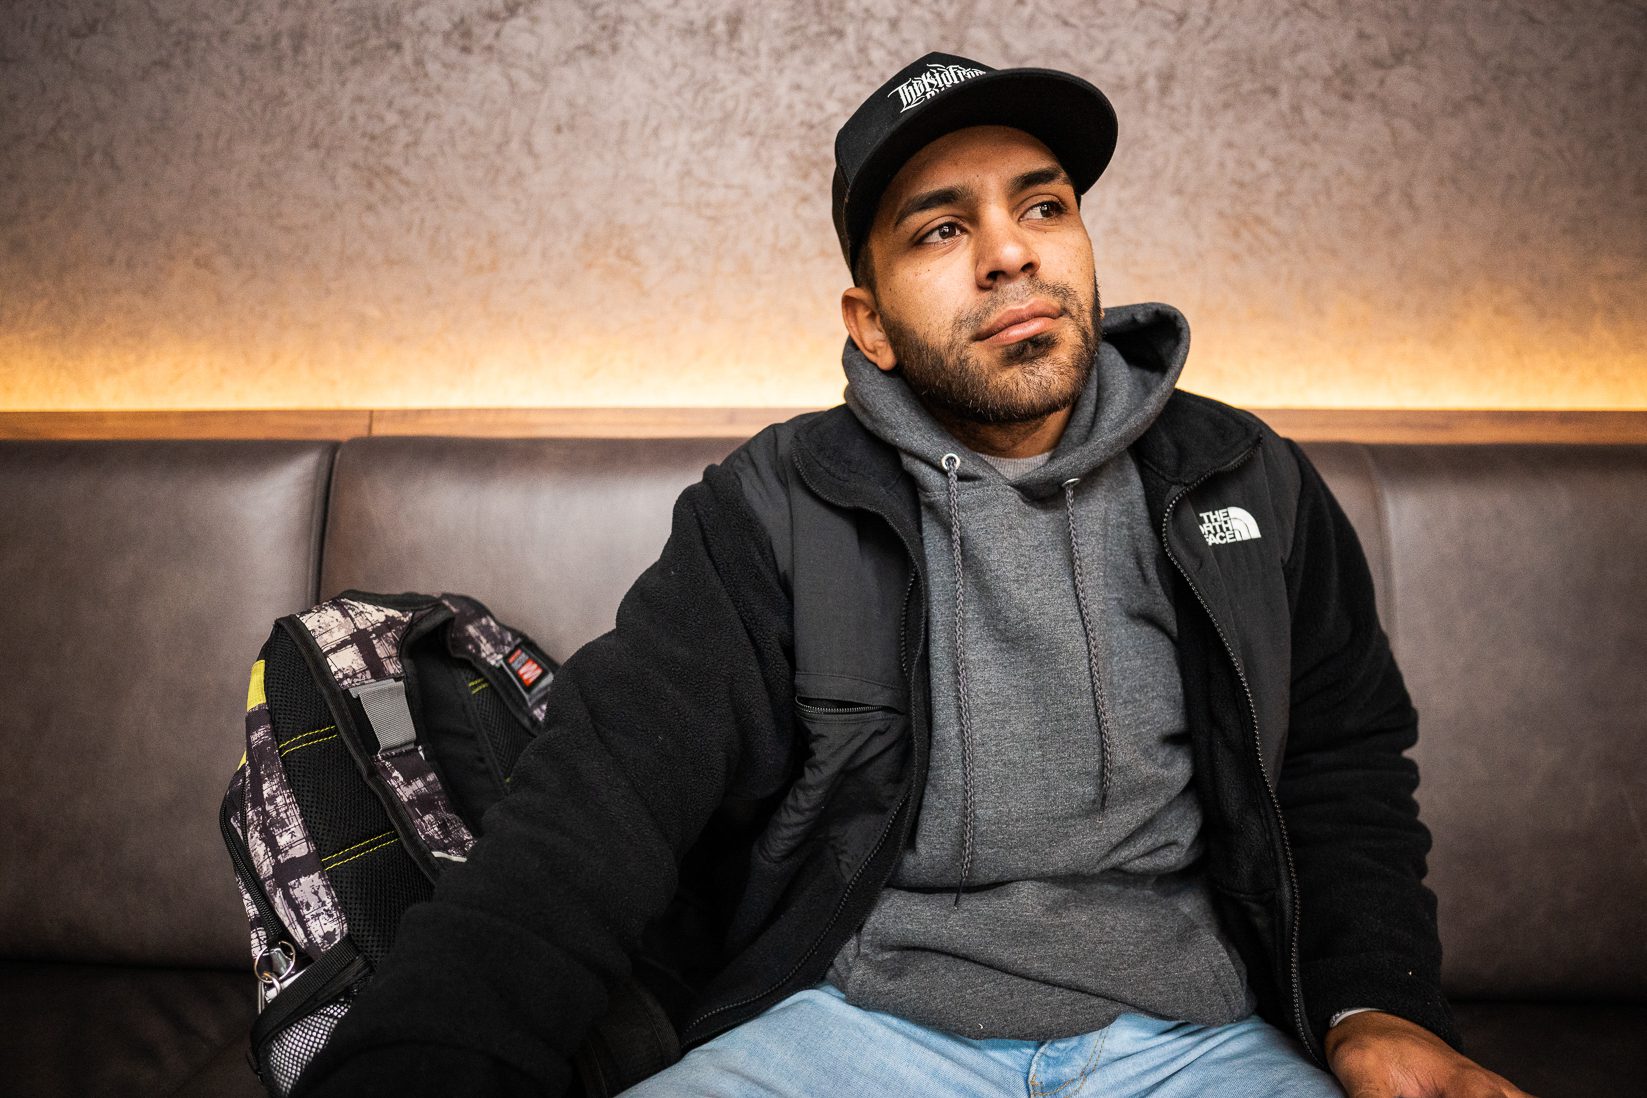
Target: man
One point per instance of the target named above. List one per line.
(1025, 723)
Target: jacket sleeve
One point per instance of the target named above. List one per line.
(495, 982)
(1368, 935)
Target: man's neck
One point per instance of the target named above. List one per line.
(1008, 440)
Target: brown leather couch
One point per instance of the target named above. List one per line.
(140, 578)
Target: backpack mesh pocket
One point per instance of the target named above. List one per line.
(289, 1051)
(296, 1024)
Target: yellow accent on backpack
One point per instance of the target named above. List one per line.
(254, 689)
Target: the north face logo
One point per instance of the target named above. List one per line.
(923, 86)
(1228, 524)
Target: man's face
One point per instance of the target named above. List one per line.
(983, 290)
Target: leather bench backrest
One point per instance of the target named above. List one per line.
(548, 533)
(1506, 576)
(139, 580)
(1513, 583)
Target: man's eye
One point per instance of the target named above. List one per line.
(940, 233)
(1043, 210)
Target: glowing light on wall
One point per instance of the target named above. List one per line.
(1366, 205)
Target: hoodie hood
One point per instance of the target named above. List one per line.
(1141, 354)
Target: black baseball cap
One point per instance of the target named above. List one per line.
(941, 93)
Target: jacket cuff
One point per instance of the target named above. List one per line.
(1342, 1014)
(1378, 983)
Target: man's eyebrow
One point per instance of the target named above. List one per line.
(1040, 177)
(946, 196)
(926, 200)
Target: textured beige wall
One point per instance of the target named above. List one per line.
(379, 203)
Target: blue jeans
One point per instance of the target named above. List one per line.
(814, 1045)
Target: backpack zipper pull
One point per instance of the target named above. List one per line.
(275, 969)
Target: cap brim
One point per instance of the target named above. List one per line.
(1067, 114)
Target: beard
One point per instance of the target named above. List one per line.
(1036, 376)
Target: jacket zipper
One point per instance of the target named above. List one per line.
(903, 620)
(836, 710)
(1296, 987)
(897, 809)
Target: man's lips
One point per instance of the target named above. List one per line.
(1019, 323)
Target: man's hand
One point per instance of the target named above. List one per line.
(1378, 1055)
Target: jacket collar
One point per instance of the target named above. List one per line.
(1192, 437)
(839, 459)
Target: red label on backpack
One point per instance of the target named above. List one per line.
(521, 665)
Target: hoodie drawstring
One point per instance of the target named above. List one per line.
(1099, 702)
(952, 462)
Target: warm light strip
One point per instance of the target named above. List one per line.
(1391, 425)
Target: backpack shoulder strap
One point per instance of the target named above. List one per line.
(354, 644)
(509, 660)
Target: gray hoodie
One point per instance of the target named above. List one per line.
(1053, 879)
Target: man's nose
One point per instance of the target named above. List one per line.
(1005, 251)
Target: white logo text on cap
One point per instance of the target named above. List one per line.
(923, 86)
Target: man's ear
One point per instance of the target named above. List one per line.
(863, 322)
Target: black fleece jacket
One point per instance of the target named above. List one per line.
(689, 809)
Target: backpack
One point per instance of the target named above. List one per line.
(379, 729)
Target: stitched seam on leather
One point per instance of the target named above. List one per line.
(1381, 507)
(324, 493)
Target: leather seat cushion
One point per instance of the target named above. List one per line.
(1559, 1050)
(68, 1029)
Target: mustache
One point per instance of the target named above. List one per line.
(1020, 292)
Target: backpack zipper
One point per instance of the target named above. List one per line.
(1296, 984)
(275, 933)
